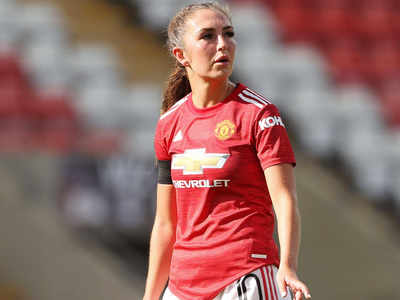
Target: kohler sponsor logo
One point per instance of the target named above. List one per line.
(270, 122)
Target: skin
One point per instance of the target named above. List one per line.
(282, 188)
(162, 241)
(209, 36)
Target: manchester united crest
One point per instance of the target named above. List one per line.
(225, 130)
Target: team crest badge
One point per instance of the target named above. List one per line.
(225, 130)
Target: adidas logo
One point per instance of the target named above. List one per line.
(178, 136)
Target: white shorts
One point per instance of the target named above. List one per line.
(258, 285)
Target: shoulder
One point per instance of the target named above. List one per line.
(254, 102)
(168, 120)
(174, 109)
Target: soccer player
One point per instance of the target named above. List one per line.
(225, 163)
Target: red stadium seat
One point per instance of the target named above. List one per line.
(100, 142)
(11, 70)
(333, 23)
(297, 23)
(346, 61)
(57, 127)
(375, 20)
(383, 62)
(390, 96)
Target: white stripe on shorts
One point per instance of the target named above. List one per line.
(258, 285)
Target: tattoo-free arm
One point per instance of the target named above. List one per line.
(282, 188)
(161, 242)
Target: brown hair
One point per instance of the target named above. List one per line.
(178, 84)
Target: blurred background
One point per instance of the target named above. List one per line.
(80, 93)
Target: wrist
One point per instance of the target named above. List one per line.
(288, 265)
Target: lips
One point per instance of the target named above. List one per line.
(222, 59)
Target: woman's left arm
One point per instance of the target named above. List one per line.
(282, 188)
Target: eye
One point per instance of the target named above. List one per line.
(230, 34)
(207, 36)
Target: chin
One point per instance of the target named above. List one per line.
(220, 75)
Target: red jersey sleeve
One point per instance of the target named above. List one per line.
(160, 143)
(270, 138)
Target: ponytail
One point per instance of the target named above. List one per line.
(178, 86)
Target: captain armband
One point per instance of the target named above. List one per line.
(164, 172)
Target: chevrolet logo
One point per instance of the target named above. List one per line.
(194, 161)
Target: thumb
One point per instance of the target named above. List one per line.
(282, 285)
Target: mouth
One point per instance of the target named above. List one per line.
(222, 60)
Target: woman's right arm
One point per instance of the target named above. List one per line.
(161, 242)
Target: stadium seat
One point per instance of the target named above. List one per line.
(139, 143)
(303, 66)
(46, 66)
(157, 13)
(102, 108)
(333, 19)
(315, 120)
(267, 76)
(369, 161)
(57, 125)
(374, 21)
(297, 23)
(11, 70)
(10, 24)
(382, 62)
(345, 60)
(93, 62)
(42, 22)
(359, 112)
(101, 142)
(148, 98)
(390, 96)
(253, 19)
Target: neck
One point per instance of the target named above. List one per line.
(209, 93)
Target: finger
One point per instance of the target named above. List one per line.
(298, 295)
(304, 290)
(300, 287)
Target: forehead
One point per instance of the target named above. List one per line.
(206, 18)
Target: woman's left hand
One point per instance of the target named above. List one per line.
(287, 277)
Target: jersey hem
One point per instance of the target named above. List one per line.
(213, 295)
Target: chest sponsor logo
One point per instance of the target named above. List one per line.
(194, 161)
(200, 183)
(225, 130)
(270, 122)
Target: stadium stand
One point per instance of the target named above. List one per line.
(357, 39)
(330, 66)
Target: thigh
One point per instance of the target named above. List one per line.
(258, 285)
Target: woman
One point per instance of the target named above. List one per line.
(227, 151)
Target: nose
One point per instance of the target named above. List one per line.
(221, 45)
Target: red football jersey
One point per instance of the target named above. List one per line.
(224, 211)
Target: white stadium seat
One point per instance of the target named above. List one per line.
(10, 24)
(42, 22)
(46, 65)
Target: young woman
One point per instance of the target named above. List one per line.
(225, 163)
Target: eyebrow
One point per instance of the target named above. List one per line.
(211, 29)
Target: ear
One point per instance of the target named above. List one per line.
(180, 56)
